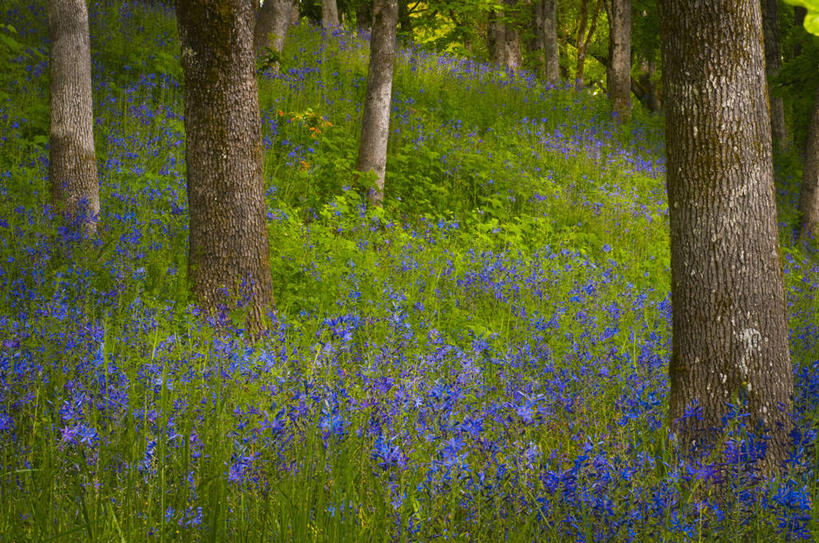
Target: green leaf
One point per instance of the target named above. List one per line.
(812, 18)
(812, 22)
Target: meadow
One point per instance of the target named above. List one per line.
(485, 358)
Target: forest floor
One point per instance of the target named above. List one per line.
(483, 359)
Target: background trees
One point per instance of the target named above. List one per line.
(375, 123)
(546, 39)
(773, 63)
(618, 73)
(809, 195)
(229, 254)
(72, 161)
(329, 14)
(272, 22)
(729, 335)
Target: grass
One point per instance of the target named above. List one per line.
(483, 359)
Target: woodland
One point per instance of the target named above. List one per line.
(396, 270)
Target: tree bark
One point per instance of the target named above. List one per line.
(730, 335)
(618, 72)
(375, 124)
(773, 63)
(504, 39)
(72, 168)
(294, 13)
(229, 252)
(272, 22)
(548, 36)
(809, 195)
(329, 14)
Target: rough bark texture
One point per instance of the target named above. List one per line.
(229, 253)
(773, 63)
(809, 195)
(730, 338)
(546, 27)
(329, 14)
(584, 39)
(503, 39)
(618, 72)
(294, 13)
(72, 163)
(375, 124)
(272, 22)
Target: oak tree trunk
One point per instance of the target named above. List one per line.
(503, 39)
(548, 37)
(72, 169)
(294, 13)
(229, 252)
(272, 22)
(773, 63)
(730, 335)
(495, 38)
(618, 73)
(809, 195)
(329, 14)
(375, 124)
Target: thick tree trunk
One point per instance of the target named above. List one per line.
(329, 14)
(548, 36)
(618, 73)
(72, 167)
(375, 124)
(730, 335)
(272, 22)
(229, 252)
(809, 195)
(773, 63)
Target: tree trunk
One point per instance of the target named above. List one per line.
(329, 14)
(584, 39)
(548, 37)
(513, 55)
(618, 72)
(651, 99)
(272, 22)
(72, 168)
(503, 40)
(809, 195)
(730, 335)
(294, 13)
(375, 124)
(773, 63)
(229, 252)
(494, 39)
